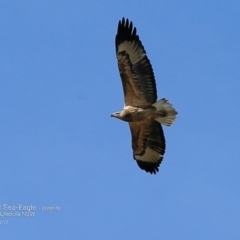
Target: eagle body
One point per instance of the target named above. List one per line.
(141, 109)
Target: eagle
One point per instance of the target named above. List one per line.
(144, 114)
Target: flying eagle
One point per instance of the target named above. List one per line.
(141, 109)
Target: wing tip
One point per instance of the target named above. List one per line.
(125, 32)
(150, 167)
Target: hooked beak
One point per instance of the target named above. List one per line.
(114, 114)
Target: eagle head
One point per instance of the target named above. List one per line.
(123, 115)
(116, 115)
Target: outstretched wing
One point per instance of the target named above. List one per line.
(148, 144)
(135, 68)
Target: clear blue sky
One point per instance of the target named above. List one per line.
(59, 83)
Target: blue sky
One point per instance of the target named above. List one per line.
(59, 83)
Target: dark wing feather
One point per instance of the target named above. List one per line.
(148, 144)
(135, 68)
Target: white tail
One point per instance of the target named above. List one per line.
(167, 114)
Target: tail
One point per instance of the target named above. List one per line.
(166, 114)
